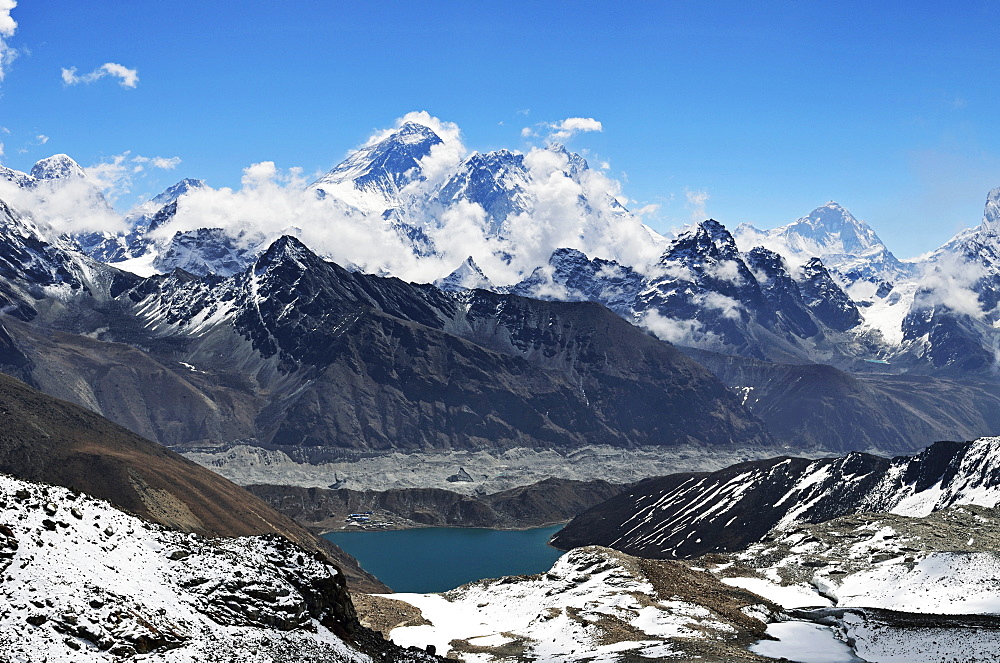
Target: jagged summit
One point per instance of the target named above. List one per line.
(707, 239)
(467, 276)
(284, 248)
(392, 157)
(830, 230)
(174, 192)
(57, 167)
(371, 178)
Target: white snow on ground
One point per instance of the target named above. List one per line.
(804, 642)
(560, 615)
(787, 596)
(82, 581)
(141, 266)
(884, 314)
(940, 583)
(878, 643)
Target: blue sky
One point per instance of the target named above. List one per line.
(768, 108)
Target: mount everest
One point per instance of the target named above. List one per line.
(543, 225)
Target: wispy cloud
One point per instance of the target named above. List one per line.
(563, 130)
(42, 139)
(7, 28)
(126, 77)
(162, 163)
(696, 203)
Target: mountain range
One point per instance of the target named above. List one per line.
(421, 307)
(822, 290)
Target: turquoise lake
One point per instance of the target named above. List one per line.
(436, 559)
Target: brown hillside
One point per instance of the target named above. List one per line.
(53, 441)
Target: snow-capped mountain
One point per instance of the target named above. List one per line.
(844, 244)
(57, 167)
(685, 515)
(467, 276)
(373, 178)
(496, 181)
(140, 222)
(704, 292)
(83, 581)
(34, 261)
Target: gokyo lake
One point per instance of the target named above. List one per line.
(436, 559)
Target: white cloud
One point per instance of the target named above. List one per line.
(563, 131)
(1, 150)
(696, 203)
(729, 307)
(126, 77)
(679, 332)
(67, 205)
(42, 139)
(725, 270)
(647, 210)
(446, 131)
(272, 202)
(162, 163)
(949, 284)
(8, 26)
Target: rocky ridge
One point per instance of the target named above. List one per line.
(594, 603)
(83, 581)
(686, 515)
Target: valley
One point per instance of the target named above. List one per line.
(746, 433)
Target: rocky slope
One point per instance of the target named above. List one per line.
(543, 503)
(257, 355)
(83, 581)
(686, 515)
(819, 406)
(48, 440)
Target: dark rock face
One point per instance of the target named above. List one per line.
(821, 407)
(691, 514)
(380, 364)
(494, 180)
(781, 291)
(579, 278)
(705, 293)
(203, 251)
(826, 299)
(543, 503)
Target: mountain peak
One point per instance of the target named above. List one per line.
(286, 246)
(57, 167)
(412, 132)
(176, 191)
(991, 215)
(830, 230)
(468, 276)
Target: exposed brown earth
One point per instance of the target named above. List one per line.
(48, 440)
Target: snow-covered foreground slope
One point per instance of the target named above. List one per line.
(897, 588)
(594, 604)
(82, 581)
